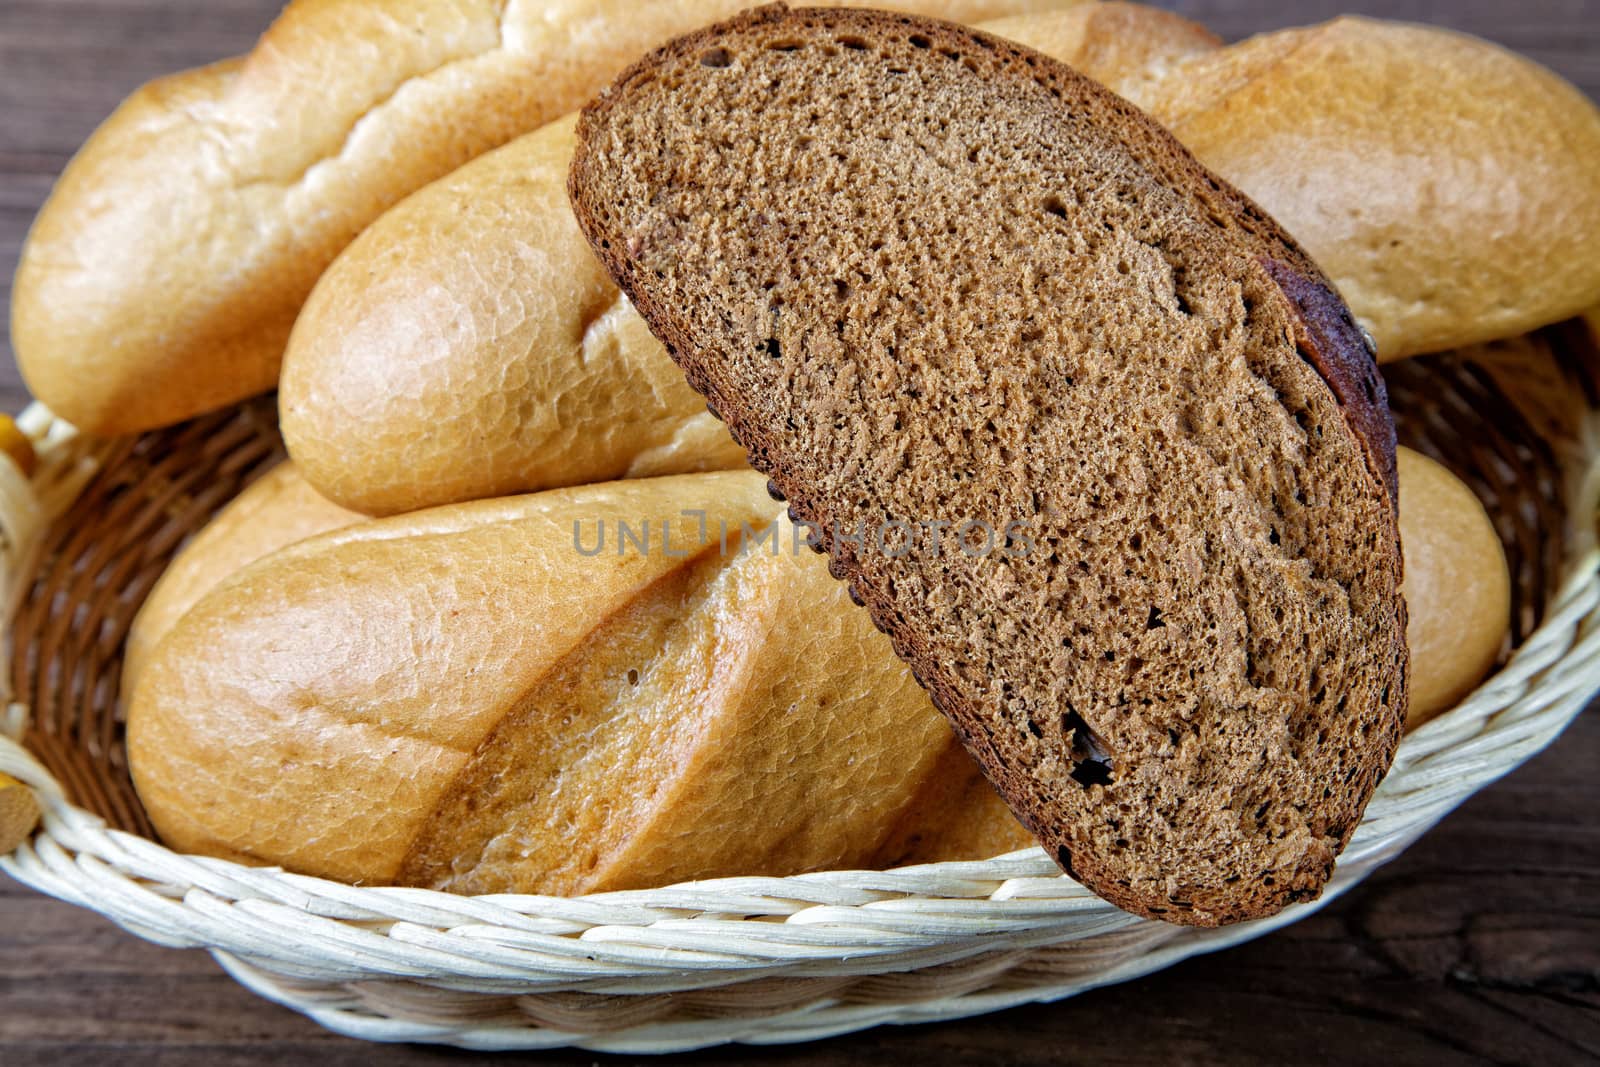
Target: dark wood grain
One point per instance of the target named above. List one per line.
(1480, 945)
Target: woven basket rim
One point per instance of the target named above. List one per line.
(349, 956)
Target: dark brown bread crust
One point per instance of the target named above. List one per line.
(1325, 337)
(1344, 356)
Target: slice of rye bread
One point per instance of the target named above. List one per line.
(926, 275)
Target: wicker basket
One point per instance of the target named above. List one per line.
(740, 959)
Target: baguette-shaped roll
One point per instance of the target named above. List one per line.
(164, 273)
(466, 699)
(279, 509)
(1450, 188)
(473, 320)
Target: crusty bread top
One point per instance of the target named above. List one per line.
(928, 276)
(277, 510)
(1457, 587)
(473, 321)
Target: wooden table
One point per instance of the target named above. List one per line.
(1481, 944)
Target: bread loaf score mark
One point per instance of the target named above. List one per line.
(922, 272)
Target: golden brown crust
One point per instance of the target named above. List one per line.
(17, 446)
(1453, 198)
(19, 813)
(1457, 586)
(1122, 46)
(472, 319)
(254, 728)
(459, 699)
(956, 816)
(279, 509)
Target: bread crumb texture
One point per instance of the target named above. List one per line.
(929, 277)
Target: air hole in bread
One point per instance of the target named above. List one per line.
(1064, 861)
(716, 57)
(1092, 764)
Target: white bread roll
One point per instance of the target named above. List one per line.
(1447, 185)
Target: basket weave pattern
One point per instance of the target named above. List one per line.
(741, 959)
